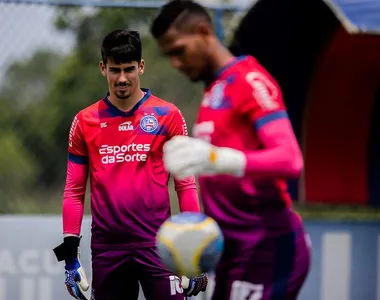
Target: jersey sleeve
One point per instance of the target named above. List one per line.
(257, 96)
(188, 200)
(77, 152)
(177, 124)
(186, 188)
(73, 197)
(76, 179)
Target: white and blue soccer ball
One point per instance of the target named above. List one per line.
(190, 244)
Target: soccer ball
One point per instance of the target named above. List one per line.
(190, 244)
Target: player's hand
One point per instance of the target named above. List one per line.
(76, 281)
(193, 286)
(185, 156)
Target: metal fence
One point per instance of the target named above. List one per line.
(49, 71)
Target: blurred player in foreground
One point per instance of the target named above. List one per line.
(244, 150)
(119, 141)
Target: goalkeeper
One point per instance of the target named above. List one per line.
(118, 141)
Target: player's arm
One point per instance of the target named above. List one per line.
(72, 212)
(76, 179)
(188, 200)
(186, 188)
(259, 100)
(262, 103)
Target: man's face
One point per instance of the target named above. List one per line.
(187, 53)
(123, 79)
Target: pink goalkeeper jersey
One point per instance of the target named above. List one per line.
(128, 181)
(236, 105)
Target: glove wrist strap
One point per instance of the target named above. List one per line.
(68, 249)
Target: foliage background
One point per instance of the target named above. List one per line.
(41, 93)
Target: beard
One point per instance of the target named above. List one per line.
(123, 90)
(203, 75)
(123, 94)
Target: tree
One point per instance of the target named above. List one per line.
(26, 81)
(42, 95)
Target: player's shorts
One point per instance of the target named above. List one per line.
(274, 269)
(116, 273)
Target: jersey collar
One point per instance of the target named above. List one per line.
(219, 73)
(115, 112)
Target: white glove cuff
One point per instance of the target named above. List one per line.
(185, 282)
(230, 161)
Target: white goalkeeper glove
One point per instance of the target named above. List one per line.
(185, 156)
(76, 281)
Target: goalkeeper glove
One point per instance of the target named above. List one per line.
(193, 286)
(76, 281)
(185, 156)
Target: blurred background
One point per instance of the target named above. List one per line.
(325, 54)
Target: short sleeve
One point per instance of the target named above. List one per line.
(177, 124)
(77, 148)
(259, 97)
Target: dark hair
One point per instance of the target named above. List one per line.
(172, 10)
(121, 46)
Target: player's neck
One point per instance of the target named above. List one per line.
(221, 58)
(128, 103)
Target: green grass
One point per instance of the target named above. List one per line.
(339, 213)
(51, 203)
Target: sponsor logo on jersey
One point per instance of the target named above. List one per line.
(264, 90)
(148, 123)
(126, 126)
(125, 153)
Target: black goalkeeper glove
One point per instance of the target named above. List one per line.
(193, 286)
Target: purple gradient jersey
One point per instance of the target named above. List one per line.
(227, 118)
(266, 254)
(129, 184)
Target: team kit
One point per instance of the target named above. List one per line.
(130, 144)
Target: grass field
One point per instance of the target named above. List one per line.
(340, 213)
(52, 204)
